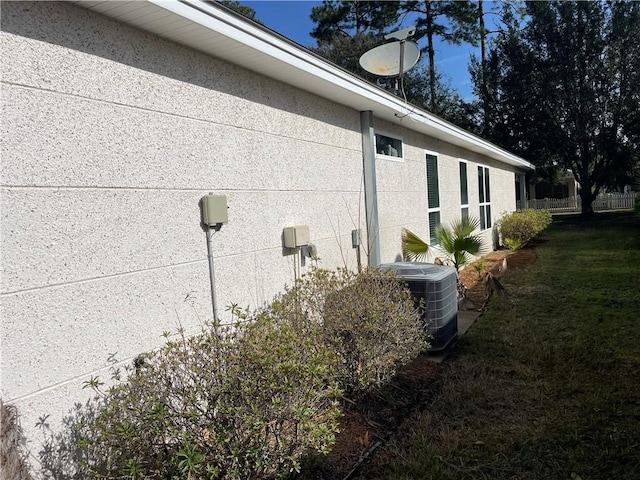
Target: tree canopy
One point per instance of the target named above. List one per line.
(556, 82)
(565, 89)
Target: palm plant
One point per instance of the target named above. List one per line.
(414, 248)
(457, 241)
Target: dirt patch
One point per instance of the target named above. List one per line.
(494, 263)
(368, 422)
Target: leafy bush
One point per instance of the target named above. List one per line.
(519, 227)
(368, 318)
(246, 401)
(636, 206)
(513, 244)
(242, 403)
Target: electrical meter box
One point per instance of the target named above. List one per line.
(296, 236)
(214, 210)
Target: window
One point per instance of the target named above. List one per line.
(464, 190)
(388, 146)
(433, 196)
(484, 198)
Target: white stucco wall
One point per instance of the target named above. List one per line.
(402, 197)
(110, 136)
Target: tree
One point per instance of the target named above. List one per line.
(566, 89)
(478, 67)
(347, 29)
(453, 21)
(243, 10)
(348, 18)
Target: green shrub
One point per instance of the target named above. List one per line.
(244, 403)
(518, 227)
(513, 244)
(368, 318)
(636, 206)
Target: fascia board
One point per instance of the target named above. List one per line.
(265, 42)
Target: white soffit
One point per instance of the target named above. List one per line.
(223, 34)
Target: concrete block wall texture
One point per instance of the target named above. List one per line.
(402, 196)
(110, 138)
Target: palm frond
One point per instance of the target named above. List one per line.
(465, 226)
(414, 249)
(458, 240)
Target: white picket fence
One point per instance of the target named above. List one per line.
(605, 201)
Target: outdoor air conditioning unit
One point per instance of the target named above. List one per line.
(436, 287)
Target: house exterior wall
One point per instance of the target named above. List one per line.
(110, 138)
(402, 189)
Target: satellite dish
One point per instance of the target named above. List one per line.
(387, 60)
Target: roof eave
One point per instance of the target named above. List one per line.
(222, 33)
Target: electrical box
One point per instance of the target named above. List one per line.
(214, 210)
(296, 236)
(356, 238)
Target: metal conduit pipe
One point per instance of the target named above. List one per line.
(370, 189)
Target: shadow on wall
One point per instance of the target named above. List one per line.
(61, 457)
(496, 237)
(124, 44)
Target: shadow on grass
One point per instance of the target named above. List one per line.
(599, 219)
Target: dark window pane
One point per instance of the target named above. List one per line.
(480, 186)
(488, 223)
(388, 146)
(486, 185)
(464, 193)
(465, 212)
(483, 223)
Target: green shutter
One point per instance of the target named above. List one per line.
(433, 191)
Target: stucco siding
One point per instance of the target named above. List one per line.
(402, 189)
(110, 138)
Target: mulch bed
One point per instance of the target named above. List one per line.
(370, 421)
(493, 263)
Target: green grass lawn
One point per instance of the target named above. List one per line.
(546, 385)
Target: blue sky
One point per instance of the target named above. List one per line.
(291, 19)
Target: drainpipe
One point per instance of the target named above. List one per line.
(523, 191)
(370, 190)
(212, 275)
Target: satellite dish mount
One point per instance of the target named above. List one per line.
(394, 58)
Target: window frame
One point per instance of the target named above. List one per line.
(384, 156)
(436, 211)
(464, 206)
(484, 197)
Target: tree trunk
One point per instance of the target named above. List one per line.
(586, 202)
(432, 53)
(483, 59)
